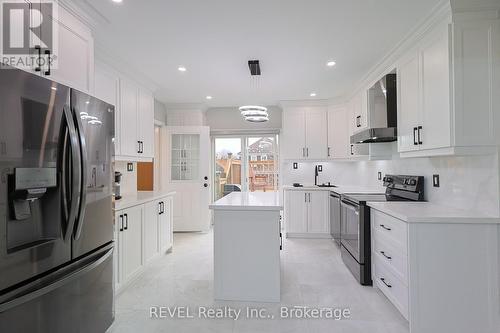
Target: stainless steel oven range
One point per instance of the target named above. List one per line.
(355, 236)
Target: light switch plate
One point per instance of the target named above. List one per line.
(320, 168)
(130, 166)
(435, 180)
(295, 165)
(379, 176)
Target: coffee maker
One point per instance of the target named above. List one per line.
(118, 179)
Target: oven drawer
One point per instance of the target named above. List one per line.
(390, 227)
(392, 286)
(391, 254)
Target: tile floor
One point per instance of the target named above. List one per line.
(313, 275)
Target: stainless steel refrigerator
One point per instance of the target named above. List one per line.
(56, 207)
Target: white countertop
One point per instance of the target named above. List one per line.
(340, 189)
(425, 212)
(138, 198)
(249, 201)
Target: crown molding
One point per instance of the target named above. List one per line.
(85, 12)
(440, 13)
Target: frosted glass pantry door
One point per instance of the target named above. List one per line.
(188, 175)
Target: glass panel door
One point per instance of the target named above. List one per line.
(262, 163)
(228, 166)
(185, 157)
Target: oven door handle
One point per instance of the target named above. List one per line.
(351, 207)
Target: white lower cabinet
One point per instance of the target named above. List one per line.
(142, 233)
(307, 213)
(441, 276)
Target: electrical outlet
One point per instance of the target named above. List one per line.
(379, 175)
(320, 168)
(435, 180)
(295, 165)
(130, 166)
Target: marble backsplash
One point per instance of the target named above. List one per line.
(467, 182)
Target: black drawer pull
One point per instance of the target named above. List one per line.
(383, 280)
(386, 228)
(385, 255)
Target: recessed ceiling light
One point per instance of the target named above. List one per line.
(53, 88)
(331, 63)
(313, 94)
(209, 97)
(117, 1)
(182, 69)
(87, 102)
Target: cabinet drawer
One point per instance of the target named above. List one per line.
(392, 287)
(394, 230)
(394, 256)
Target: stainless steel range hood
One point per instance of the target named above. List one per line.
(373, 135)
(382, 110)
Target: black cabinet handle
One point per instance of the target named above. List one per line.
(328, 152)
(415, 131)
(385, 255)
(358, 121)
(352, 146)
(383, 280)
(386, 228)
(420, 135)
(47, 53)
(139, 147)
(281, 241)
(121, 222)
(38, 67)
(126, 221)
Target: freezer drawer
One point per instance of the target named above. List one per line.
(77, 298)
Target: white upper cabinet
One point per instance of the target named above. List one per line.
(448, 90)
(359, 105)
(316, 133)
(69, 60)
(74, 63)
(408, 99)
(338, 132)
(305, 133)
(145, 122)
(129, 142)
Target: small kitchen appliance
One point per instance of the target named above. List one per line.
(118, 179)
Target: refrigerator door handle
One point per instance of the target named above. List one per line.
(49, 283)
(75, 176)
(84, 167)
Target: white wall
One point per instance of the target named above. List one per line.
(226, 119)
(129, 178)
(186, 114)
(466, 182)
(160, 111)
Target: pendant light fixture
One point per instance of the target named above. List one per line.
(254, 113)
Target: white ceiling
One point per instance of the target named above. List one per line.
(293, 40)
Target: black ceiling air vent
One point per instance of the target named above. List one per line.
(254, 66)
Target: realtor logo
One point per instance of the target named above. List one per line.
(28, 32)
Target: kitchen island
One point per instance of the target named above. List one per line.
(247, 241)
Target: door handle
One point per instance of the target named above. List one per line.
(385, 255)
(415, 131)
(83, 171)
(383, 280)
(420, 135)
(47, 53)
(38, 67)
(126, 221)
(49, 283)
(386, 228)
